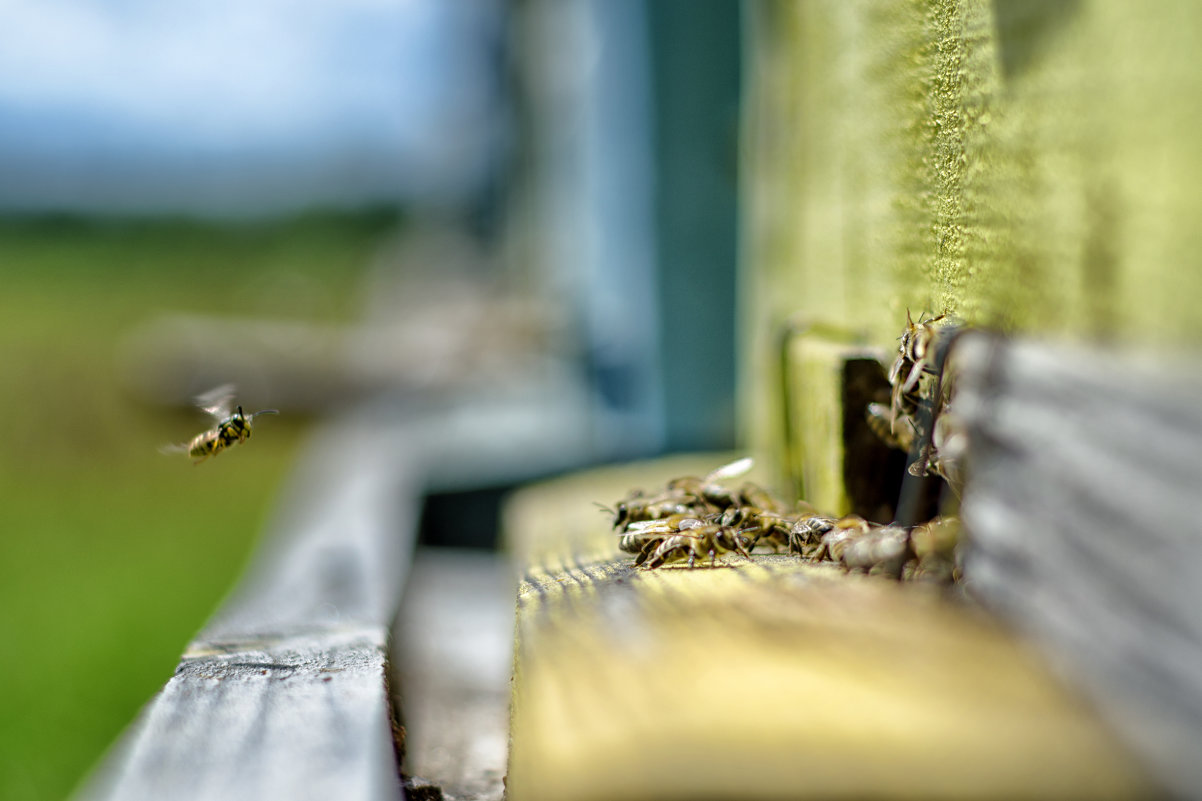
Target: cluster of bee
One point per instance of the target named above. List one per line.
(695, 518)
(921, 398)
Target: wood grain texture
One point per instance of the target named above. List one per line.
(1082, 506)
(769, 679)
(283, 695)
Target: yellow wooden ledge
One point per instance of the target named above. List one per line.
(769, 679)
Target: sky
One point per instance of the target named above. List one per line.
(243, 104)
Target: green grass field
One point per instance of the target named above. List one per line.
(112, 555)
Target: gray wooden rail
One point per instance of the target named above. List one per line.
(1084, 506)
(284, 693)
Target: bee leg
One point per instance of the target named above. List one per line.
(659, 556)
(644, 552)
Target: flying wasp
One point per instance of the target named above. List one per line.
(233, 425)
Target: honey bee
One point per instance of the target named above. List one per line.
(636, 508)
(233, 425)
(832, 543)
(880, 549)
(920, 398)
(772, 527)
(640, 532)
(897, 431)
(682, 496)
(756, 508)
(707, 540)
(806, 535)
(915, 358)
(760, 498)
(707, 490)
(935, 545)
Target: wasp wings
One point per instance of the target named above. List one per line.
(218, 402)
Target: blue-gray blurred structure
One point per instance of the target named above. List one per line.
(221, 107)
(630, 205)
(697, 81)
(596, 139)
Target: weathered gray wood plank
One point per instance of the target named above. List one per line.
(1083, 507)
(283, 695)
(454, 638)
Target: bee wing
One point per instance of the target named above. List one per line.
(689, 533)
(648, 527)
(658, 530)
(663, 526)
(732, 470)
(174, 447)
(218, 401)
(912, 378)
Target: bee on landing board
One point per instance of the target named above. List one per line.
(693, 543)
(233, 425)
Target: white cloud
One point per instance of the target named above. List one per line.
(234, 66)
(218, 76)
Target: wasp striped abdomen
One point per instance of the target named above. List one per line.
(231, 429)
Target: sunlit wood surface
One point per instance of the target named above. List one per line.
(770, 678)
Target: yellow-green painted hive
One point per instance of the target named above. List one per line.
(1030, 166)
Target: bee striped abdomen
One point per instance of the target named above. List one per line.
(204, 445)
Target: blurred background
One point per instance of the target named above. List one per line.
(514, 219)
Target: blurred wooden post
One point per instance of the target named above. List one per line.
(284, 693)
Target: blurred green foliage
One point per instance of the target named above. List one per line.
(113, 555)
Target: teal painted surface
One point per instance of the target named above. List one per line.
(696, 70)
